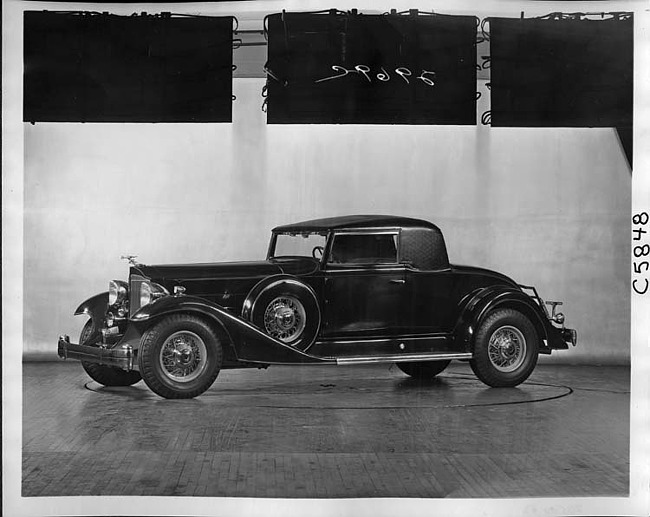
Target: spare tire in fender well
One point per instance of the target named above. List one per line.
(286, 309)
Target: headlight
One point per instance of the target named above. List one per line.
(117, 291)
(150, 292)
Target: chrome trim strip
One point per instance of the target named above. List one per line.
(395, 339)
(364, 268)
(368, 229)
(402, 358)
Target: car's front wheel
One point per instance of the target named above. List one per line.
(505, 350)
(180, 357)
(423, 369)
(106, 375)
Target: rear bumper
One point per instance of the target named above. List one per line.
(120, 356)
(558, 339)
(570, 336)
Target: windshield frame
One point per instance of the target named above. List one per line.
(270, 255)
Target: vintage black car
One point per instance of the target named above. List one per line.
(341, 291)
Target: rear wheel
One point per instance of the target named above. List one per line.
(180, 357)
(423, 369)
(505, 351)
(106, 375)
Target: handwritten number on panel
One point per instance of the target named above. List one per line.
(404, 73)
(426, 76)
(383, 75)
(427, 80)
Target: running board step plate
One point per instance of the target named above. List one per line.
(402, 358)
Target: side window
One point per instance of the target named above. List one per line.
(364, 248)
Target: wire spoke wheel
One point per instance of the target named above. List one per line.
(285, 318)
(183, 356)
(180, 356)
(285, 309)
(507, 348)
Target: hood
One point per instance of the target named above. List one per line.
(226, 283)
(176, 274)
(479, 272)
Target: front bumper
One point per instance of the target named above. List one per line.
(120, 356)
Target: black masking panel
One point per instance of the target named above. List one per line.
(347, 68)
(561, 72)
(92, 67)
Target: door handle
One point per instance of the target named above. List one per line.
(397, 281)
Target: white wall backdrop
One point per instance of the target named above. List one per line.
(549, 207)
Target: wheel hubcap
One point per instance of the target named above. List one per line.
(507, 348)
(284, 319)
(183, 356)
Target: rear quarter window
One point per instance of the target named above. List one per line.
(424, 248)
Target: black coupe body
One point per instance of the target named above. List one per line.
(343, 290)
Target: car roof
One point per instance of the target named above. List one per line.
(355, 221)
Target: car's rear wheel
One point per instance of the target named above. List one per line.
(288, 311)
(106, 375)
(423, 369)
(505, 350)
(180, 357)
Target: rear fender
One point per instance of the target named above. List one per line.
(249, 343)
(491, 298)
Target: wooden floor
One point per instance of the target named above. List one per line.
(330, 432)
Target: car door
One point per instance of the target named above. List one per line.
(365, 286)
(432, 306)
(430, 284)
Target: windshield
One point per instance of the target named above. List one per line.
(306, 244)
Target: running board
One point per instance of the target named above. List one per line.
(402, 358)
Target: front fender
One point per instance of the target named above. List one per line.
(249, 342)
(94, 307)
(490, 298)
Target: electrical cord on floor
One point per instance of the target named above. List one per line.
(573, 389)
(568, 391)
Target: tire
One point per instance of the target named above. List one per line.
(106, 375)
(180, 357)
(288, 311)
(423, 369)
(505, 350)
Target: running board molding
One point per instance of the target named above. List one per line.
(402, 358)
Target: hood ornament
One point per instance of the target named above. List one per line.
(131, 259)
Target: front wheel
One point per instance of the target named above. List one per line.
(505, 351)
(180, 357)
